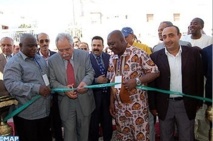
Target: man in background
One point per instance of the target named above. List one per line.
(161, 45)
(131, 39)
(43, 41)
(7, 45)
(83, 46)
(101, 115)
(196, 37)
(76, 41)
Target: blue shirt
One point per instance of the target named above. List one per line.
(23, 78)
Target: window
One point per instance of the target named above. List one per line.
(176, 17)
(149, 17)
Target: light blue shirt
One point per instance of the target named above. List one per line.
(23, 78)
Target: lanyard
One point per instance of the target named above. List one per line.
(38, 65)
(120, 62)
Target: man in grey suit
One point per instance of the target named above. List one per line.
(6, 44)
(75, 106)
(161, 45)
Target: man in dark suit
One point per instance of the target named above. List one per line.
(161, 45)
(180, 70)
(43, 41)
(72, 68)
(207, 69)
(101, 114)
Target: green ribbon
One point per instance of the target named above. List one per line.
(173, 92)
(21, 108)
(62, 90)
(101, 86)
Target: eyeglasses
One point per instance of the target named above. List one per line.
(45, 40)
(83, 48)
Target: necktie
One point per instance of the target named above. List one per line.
(102, 69)
(70, 74)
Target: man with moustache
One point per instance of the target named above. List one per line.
(71, 68)
(26, 76)
(101, 114)
(43, 41)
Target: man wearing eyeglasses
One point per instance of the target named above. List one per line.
(43, 42)
(83, 46)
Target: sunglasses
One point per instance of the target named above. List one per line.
(45, 40)
(83, 48)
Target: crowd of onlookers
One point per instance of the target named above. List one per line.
(179, 64)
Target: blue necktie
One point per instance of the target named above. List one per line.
(102, 69)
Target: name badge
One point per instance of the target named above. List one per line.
(118, 79)
(46, 80)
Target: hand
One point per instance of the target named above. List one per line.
(154, 112)
(101, 79)
(44, 90)
(112, 101)
(129, 84)
(81, 89)
(72, 94)
(112, 109)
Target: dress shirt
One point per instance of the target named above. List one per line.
(23, 78)
(175, 72)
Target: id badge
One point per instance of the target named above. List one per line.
(118, 79)
(46, 80)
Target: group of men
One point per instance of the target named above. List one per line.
(174, 66)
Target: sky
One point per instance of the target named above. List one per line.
(53, 16)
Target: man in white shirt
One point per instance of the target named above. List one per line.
(196, 37)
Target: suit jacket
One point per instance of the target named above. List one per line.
(83, 72)
(207, 68)
(192, 81)
(3, 61)
(105, 58)
(161, 45)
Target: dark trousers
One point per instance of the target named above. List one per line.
(101, 115)
(56, 123)
(32, 130)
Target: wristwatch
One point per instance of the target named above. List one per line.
(138, 81)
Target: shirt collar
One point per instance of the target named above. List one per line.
(179, 52)
(42, 54)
